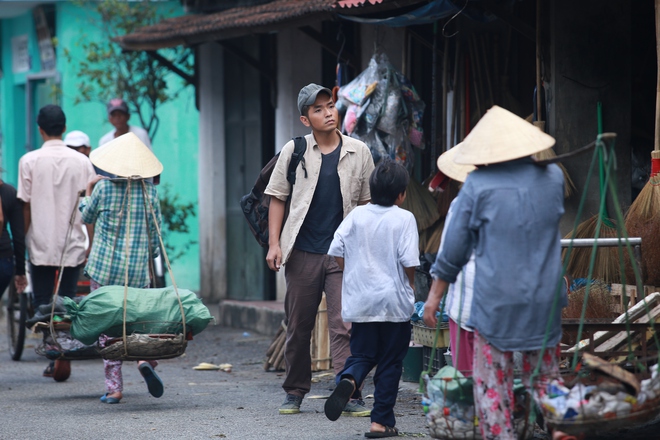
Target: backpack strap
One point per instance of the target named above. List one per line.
(297, 157)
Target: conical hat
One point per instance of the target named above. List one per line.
(500, 136)
(127, 156)
(452, 169)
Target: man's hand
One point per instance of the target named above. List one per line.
(91, 183)
(274, 257)
(20, 281)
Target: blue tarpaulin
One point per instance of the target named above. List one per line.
(429, 13)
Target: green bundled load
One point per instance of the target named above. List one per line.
(148, 311)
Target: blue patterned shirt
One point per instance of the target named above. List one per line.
(107, 261)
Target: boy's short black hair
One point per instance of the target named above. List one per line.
(387, 181)
(51, 119)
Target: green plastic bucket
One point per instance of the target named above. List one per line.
(412, 364)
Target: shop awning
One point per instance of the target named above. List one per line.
(194, 29)
(189, 30)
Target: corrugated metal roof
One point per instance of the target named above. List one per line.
(198, 28)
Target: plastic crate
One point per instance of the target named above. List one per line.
(436, 363)
(425, 336)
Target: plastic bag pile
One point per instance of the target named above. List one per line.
(381, 108)
(590, 402)
(449, 407)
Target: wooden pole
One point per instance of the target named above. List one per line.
(541, 124)
(656, 140)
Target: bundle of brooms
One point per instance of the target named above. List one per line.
(643, 216)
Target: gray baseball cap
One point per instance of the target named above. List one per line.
(308, 94)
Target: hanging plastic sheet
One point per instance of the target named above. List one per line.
(381, 108)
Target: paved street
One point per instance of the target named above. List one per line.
(196, 404)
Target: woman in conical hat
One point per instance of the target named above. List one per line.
(508, 212)
(105, 199)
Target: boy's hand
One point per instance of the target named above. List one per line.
(274, 257)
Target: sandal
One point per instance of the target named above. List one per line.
(390, 431)
(111, 400)
(154, 384)
(337, 401)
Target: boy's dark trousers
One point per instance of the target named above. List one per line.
(384, 344)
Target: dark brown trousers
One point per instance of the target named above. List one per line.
(307, 277)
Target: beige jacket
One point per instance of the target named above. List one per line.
(354, 169)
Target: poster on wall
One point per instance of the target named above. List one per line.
(20, 56)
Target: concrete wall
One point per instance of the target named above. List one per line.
(175, 143)
(590, 63)
(212, 195)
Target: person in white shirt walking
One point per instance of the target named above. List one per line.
(377, 246)
(50, 180)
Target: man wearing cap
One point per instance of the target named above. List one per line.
(508, 212)
(49, 182)
(118, 115)
(78, 141)
(332, 179)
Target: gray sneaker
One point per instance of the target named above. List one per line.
(356, 408)
(291, 404)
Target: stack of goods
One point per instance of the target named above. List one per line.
(381, 108)
(449, 407)
(60, 343)
(617, 396)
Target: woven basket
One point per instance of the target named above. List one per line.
(595, 425)
(425, 336)
(63, 346)
(145, 347)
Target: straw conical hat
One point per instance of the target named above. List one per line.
(500, 136)
(127, 156)
(452, 169)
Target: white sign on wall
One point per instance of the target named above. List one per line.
(20, 55)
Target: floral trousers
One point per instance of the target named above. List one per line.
(114, 381)
(493, 385)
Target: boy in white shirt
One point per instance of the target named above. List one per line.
(377, 246)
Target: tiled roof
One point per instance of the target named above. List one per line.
(193, 29)
(356, 3)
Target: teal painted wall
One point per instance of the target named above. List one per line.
(175, 143)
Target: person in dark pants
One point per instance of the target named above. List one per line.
(12, 247)
(49, 181)
(377, 246)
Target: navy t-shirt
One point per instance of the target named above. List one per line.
(326, 211)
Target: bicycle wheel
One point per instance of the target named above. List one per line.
(17, 309)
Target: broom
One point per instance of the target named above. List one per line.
(422, 204)
(642, 216)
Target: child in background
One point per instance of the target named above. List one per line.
(377, 246)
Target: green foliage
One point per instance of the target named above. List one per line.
(107, 72)
(175, 215)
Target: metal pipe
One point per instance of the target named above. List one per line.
(606, 242)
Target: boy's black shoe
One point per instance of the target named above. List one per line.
(338, 399)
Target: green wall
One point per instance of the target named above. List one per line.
(175, 143)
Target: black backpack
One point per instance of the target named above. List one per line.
(255, 204)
